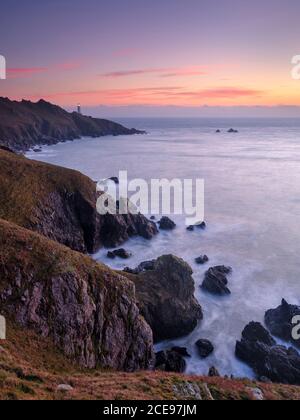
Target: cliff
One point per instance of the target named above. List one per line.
(26, 124)
(85, 309)
(61, 204)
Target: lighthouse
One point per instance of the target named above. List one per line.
(79, 108)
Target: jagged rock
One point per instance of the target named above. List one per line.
(231, 130)
(166, 298)
(213, 372)
(166, 224)
(188, 391)
(144, 266)
(120, 253)
(279, 321)
(259, 350)
(152, 218)
(201, 225)
(88, 311)
(170, 361)
(218, 131)
(215, 280)
(61, 205)
(190, 228)
(205, 348)
(256, 393)
(203, 259)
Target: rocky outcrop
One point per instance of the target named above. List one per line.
(61, 204)
(215, 280)
(144, 266)
(119, 253)
(205, 348)
(166, 298)
(280, 321)
(166, 223)
(203, 259)
(170, 361)
(26, 124)
(259, 350)
(87, 310)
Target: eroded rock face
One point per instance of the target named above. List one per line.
(88, 311)
(215, 280)
(279, 321)
(259, 350)
(166, 298)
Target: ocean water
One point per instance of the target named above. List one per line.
(252, 210)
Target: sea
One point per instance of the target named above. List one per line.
(252, 211)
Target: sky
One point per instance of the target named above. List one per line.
(154, 54)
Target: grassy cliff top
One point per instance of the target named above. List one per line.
(27, 184)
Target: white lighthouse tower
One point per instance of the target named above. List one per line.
(79, 108)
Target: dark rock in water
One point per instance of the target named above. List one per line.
(170, 361)
(152, 218)
(144, 266)
(215, 280)
(202, 260)
(36, 150)
(121, 253)
(115, 179)
(279, 321)
(166, 298)
(218, 131)
(182, 351)
(201, 225)
(232, 131)
(259, 350)
(166, 224)
(205, 348)
(190, 228)
(213, 372)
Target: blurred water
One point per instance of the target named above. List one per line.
(252, 210)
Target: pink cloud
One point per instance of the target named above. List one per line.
(25, 71)
(162, 72)
(126, 52)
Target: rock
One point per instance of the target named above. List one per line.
(205, 348)
(121, 253)
(256, 393)
(201, 225)
(188, 391)
(115, 179)
(218, 131)
(213, 372)
(86, 310)
(182, 351)
(64, 388)
(152, 218)
(166, 224)
(215, 280)
(190, 228)
(144, 266)
(203, 259)
(259, 350)
(170, 361)
(36, 150)
(166, 298)
(232, 131)
(279, 322)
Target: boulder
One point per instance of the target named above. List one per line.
(232, 130)
(114, 179)
(182, 351)
(120, 253)
(170, 361)
(279, 321)
(205, 348)
(144, 266)
(215, 280)
(203, 259)
(213, 372)
(166, 298)
(166, 224)
(259, 350)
